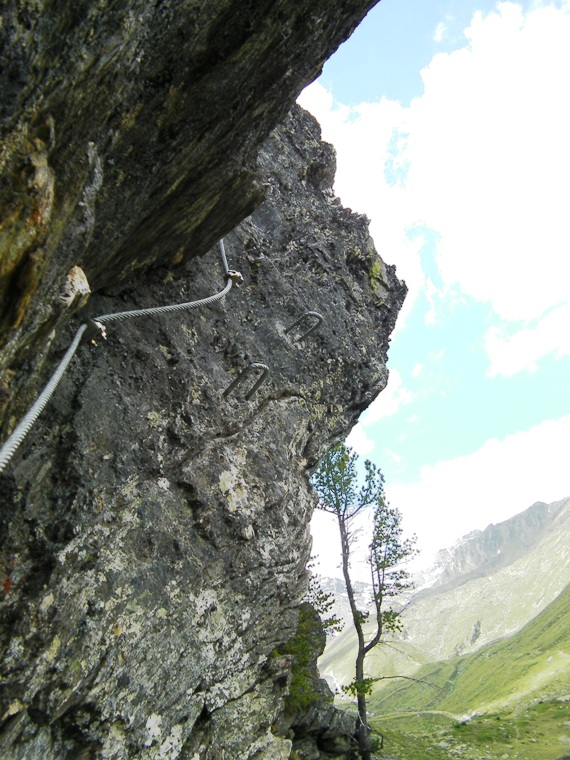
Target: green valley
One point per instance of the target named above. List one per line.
(541, 732)
(484, 654)
(517, 671)
(511, 699)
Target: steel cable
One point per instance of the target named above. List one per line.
(11, 444)
(164, 309)
(8, 449)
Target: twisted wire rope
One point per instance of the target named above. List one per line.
(10, 446)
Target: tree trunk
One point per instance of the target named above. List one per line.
(362, 732)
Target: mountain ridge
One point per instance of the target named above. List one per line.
(482, 552)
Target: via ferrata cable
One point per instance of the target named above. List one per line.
(94, 327)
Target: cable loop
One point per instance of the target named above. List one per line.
(303, 318)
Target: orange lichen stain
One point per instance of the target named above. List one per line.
(23, 231)
(5, 381)
(27, 283)
(178, 256)
(41, 182)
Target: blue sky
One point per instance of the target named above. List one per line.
(451, 123)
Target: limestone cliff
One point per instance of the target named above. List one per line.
(155, 528)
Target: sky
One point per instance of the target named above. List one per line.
(451, 122)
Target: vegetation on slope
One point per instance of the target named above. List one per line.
(540, 732)
(531, 664)
(511, 699)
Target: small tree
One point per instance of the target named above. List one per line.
(336, 484)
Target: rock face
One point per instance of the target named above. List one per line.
(154, 529)
(128, 136)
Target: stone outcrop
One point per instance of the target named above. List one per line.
(155, 529)
(128, 137)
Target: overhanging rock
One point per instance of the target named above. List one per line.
(154, 531)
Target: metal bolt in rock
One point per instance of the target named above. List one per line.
(242, 376)
(313, 314)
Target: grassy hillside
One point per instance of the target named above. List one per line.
(511, 699)
(540, 732)
(389, 658)
(532, 664)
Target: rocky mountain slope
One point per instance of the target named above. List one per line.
(154, 530)
(485, 552)
(489, 585)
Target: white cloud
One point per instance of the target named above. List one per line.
(326, 544)
(512, 353)
(454, 497)
(388, 403)
(459, 495)
(499, 480)
(482, 158)
(490, 159)
(432, 294)
(440, 31)
(359, 440)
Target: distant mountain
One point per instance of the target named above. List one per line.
(489, 585)
(481, 553)
(341, 608)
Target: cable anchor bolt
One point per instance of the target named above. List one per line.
(95, 329)
(243, 374)
(308, 314)
(235, 277)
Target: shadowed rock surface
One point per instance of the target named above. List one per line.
(154, 531)
(159, 531)
(129, 132)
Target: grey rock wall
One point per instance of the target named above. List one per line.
(156, 532)
(129, 133)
